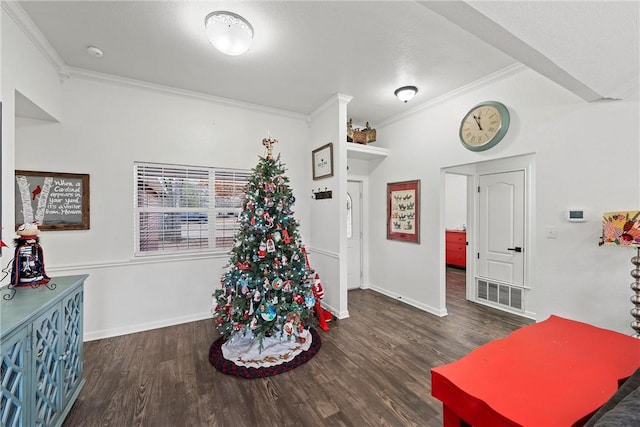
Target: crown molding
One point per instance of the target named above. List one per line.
(498, 75)
(337, 98)
(31, 30)
(140, 84)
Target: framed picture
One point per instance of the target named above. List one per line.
(403, 211)
(322, 159)
(56, 201)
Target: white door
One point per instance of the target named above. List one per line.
(501, 245)
(354, 234)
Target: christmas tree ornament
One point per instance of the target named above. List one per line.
(285, 236)
(269, 219)
(309, 301)
(276, 236)
(289, 328)
(271, 247)
(243, 265)
(277, 284)
(262, 250)
(268, 312)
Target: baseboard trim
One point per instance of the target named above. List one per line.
(411, 302)
(132, 329)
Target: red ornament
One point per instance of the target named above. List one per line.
(243, 265)
(285, 236)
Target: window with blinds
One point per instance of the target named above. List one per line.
(181, 208)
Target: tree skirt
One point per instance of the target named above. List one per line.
(238, 369)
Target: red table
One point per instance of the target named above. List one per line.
(554, 373)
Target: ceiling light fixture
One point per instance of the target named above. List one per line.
(95, 51)
(228, 32)
(406, 93)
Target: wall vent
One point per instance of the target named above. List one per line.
(497, 293)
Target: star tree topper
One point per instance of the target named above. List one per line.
(268, 142)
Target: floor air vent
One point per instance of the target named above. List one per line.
(500, 294)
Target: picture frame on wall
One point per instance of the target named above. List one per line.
(56, 201)
(322, 160)
(403, 211)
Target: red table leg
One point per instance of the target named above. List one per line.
(451, 419)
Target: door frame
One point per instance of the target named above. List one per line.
(525, 162)
(364, 223)
(360, 202)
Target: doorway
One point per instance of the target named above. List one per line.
(499, 253)
(456, 200)
(354, 235)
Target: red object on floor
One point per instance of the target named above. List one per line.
(323, 316)
(554, 373)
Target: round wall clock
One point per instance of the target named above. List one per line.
(484, 126)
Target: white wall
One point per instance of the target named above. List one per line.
(22, 68)
(586, 155)
(455, 201)
(328, 230)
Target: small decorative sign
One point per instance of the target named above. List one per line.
(322, 159)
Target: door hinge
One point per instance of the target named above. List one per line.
(478, 255)
(478, 188)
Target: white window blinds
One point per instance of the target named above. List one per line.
(180, 208)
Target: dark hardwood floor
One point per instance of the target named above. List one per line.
(373, 370)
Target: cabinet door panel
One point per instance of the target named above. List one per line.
(13, 373)
(46, 338)
(72, 354)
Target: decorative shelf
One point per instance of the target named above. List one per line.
(365, 152)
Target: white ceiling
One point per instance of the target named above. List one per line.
(306, 51)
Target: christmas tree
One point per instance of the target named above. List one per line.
(267, 286)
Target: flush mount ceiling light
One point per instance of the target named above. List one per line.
(228, 32)
(95, 51)
(406, 93)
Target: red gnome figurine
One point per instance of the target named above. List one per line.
(28, 263)
(323, 315)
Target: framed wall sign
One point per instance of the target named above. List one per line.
(403, 211)
(322, 159)
(56, 201)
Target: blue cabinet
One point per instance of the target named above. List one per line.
(41, 350)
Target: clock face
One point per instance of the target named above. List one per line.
(484, 126)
